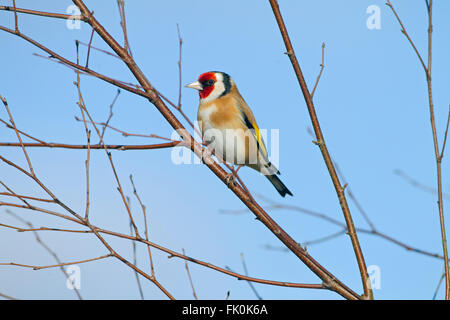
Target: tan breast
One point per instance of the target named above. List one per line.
(220, 113)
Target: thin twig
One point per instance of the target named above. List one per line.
(144, 213)
(83, 107)
(133, 244)
(190, 277)
(16, 24)
(320, 141)
(5, 103)
(34, 267)
(7, 297)
(47, 248)
(441, 278)
(111, 106)
(21, 132)
(244, 265)
(277, 206)
(120, 147)
(403, 30)
(43, 13)
(123, 24)
(180, 42)
(418, 184)
(445, 136)
(438, 156)
(322, 66)
(330, 281)
(89, 48)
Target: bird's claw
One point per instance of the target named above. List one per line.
(230, 179)
(206, 156)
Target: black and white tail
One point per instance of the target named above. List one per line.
(281, 188)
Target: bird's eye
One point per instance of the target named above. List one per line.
(208, 83)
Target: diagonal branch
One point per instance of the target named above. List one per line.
(368, 294)
(329, 279)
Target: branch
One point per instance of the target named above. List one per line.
(190, 278)
(438, 156)
(322, 66)
(403, 30)
(320, 141)
(146, 90)
(153, 97)
(120, 147)
(44, 14)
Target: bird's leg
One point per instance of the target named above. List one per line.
(206, 155)
(231, 177)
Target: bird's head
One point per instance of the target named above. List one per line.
(212, 85)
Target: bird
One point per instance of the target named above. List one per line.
(228, 126)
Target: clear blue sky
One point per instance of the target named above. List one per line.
(371, 103)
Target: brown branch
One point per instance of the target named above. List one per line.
(60, 215)
(329, 279)
(372, 231)
(127, 134)
(123, 24)
(43, 13)
(353, 198)
(53, 265)
(111, 106)
(320, 141)
(438, 157)
(120, 147)
(47, 248)
(445, 136)
(5, 103)
(437, 154)
(144, 213)
(21, 132)
(133, 244)
(322, 66)
(189, 276)
(137, 271)
(244, 265)
(88, 137)
(26, 197)
(180, 44)
(403, 30)
(86, 164)
(78, 218)
(7, 297)
(178, 255)
(98, 49)
(70, 64)
(89, 48)
(15, 17)
(83, 107)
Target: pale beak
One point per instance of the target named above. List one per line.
(195, 85)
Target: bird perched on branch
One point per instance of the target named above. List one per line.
(229, 127)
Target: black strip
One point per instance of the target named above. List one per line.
(250, 126)
(226, 82)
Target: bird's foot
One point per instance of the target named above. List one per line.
(230, 179)
(206, 156)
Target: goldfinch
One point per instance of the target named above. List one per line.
(229, 128)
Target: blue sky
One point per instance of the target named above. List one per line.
(371, 103)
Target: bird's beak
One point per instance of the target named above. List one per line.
(195, 85)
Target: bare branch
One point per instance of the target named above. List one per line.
(322, 66)
(320, 141)
(190, 278)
